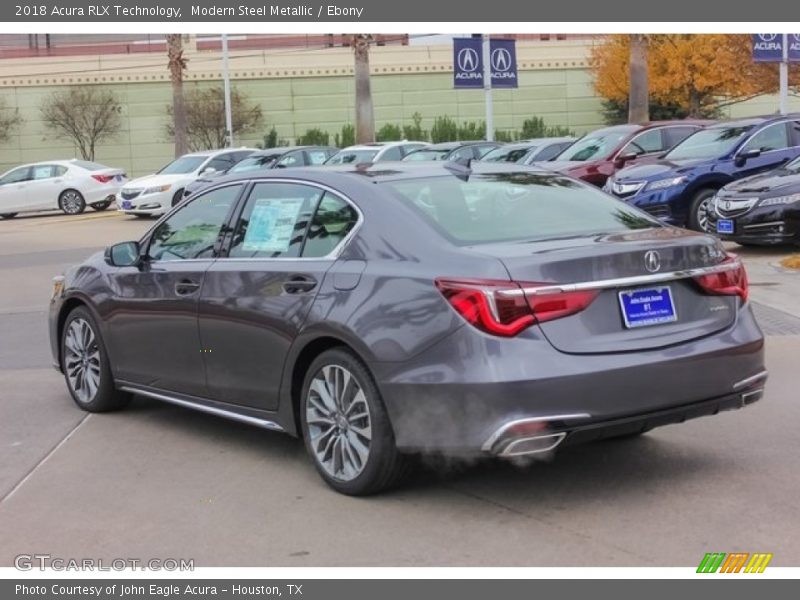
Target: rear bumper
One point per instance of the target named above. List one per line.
(444, 404)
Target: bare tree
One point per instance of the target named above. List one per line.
(86, 115)
(205, 117)
(365, 115)
(638, 94)
(177, 65)
(9, 120)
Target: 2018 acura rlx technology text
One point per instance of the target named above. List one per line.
(381, 311)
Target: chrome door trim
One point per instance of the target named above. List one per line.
(219, 412)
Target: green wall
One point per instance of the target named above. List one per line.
(293, 105)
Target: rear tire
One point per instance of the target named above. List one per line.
(84, 361)
(346, 428)
(100, 206)
(71, 202)
(698, 210)
(8, 215)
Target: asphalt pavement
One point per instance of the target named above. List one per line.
(158, 481)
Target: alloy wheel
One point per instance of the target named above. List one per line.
(82, 360)
(703, 220)
(71, 202)
(339, 422)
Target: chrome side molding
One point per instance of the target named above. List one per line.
(212, 410)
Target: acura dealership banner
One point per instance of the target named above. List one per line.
(768, 47)
(468, 63)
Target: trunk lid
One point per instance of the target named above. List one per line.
(601, 327)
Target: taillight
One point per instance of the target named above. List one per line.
(503, 308)
(103, 178)
(732, 282)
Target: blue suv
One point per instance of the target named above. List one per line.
(679, 187)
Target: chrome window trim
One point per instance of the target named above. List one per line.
(624, 281)
(752, 135)
(333, 254)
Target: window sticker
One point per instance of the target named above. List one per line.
(271, 225)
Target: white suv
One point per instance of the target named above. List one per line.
(153, 195)
(374, 152)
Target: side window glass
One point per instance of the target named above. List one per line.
(773, 137)
(550, 151)
(647, 142)
(59, 170)
(291, 160)
(675, 135)
(317, 157)
(274, 221)
(333, 220)
(393, 153)
(220, 163)
(193, 230)
(42, 172)
(16, 176)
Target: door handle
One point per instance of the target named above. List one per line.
(298, 284)
(186, 287)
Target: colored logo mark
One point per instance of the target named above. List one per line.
(736, 562)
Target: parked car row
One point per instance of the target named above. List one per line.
(701, 174)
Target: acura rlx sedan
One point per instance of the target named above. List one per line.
(386, 310)
(67, 185)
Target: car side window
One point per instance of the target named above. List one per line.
(551, 151)
(461, 153)
(481, 151)
(220, 163)
(274, 221)
(675, 135)
(16, 176)
(645, 143)
(795, 127)
(193, 230)
(317, 157)
(42, 172)
(295, 159)
(774, 137)
(332, 221)
(393, 153)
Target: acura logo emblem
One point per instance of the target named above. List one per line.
(501, 59)
(467, 60)
(652, 261)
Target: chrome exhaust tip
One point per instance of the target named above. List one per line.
(533, 435)
(532, 445)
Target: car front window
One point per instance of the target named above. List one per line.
(193, 230)
(709, 143)
(594, 145)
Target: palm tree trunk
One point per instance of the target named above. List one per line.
(365, 116)
(177, 65)
(638, 95)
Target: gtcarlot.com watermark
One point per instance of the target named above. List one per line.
(42, 562)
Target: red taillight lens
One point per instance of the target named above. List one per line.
(501, 308)
(726, 283)
(103, 178)
(482, 303)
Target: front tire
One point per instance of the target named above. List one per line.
(699, 210)
(71, 202)
(86, 367)
(346, 428)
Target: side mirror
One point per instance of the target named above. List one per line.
(742, 157)
(621, 159)
(125, 254)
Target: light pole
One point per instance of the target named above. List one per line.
(226, 78)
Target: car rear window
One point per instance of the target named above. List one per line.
(517, 206)
(89, 166)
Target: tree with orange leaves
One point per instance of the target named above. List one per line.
(699, 73)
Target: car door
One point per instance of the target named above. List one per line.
(152, 323)
(775, 147)
(46, 183)
(14, 190)
(256, 298)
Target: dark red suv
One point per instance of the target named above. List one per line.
(599, 154)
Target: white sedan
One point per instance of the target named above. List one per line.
(153, 195)
(68, 185)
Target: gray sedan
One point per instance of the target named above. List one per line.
(388, 310)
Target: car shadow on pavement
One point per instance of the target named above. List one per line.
(575, 475)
